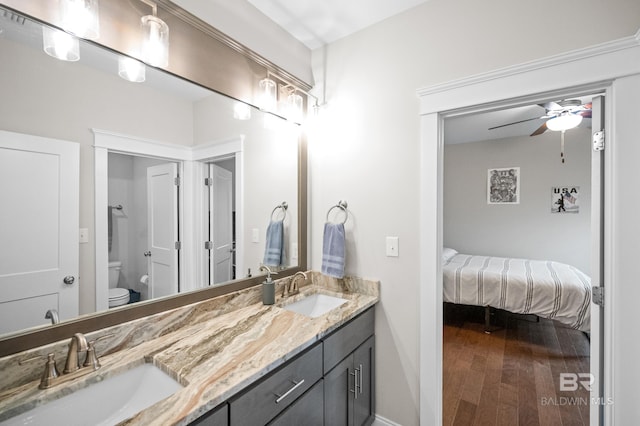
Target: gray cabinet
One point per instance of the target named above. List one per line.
(332, 384)
(349, 398)
(266, 399)
(217, 417)
(349, 363)
(307, 410)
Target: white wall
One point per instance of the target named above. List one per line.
(527, 229)
(367, 148)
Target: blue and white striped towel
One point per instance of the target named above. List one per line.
(274, 244)
(333, 250)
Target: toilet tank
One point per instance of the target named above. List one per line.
(114, 273)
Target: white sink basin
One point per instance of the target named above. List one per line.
(104, 403)
(315, 305)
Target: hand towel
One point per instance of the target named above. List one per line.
(333, 250)
(273, 250)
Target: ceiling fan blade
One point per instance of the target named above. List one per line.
(540, 130)
(585, 114)
(517, 122)
(551, 106)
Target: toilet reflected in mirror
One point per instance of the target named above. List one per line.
(117, 296)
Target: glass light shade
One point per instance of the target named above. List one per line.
(295, 105)
(564, 121)
(131, 70)
(267, 98)
(155, 41)
(241, 111)
(60, 45)
(81, 18)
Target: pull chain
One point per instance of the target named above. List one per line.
(562, 146)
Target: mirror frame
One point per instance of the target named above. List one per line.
(236, 77)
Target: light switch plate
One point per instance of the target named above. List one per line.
(392, 247)
(255, 235)
(84, 235)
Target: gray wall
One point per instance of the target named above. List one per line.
(527, 229)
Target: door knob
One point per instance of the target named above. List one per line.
(69, 279)
(147, 253)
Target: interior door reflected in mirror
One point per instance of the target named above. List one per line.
(188, 210)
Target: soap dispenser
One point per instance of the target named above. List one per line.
(268, 287)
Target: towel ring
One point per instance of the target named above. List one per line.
(284, 206)
(342, 205)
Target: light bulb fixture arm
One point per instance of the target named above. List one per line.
(154, 7)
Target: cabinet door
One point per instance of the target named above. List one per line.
(338, 394)
(307, 410)
(364, 398)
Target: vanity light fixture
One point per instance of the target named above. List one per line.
(564, 121)
(155, 38)
(295, 105)
(267, 95)
(81, 18)
(131, 69)
(60, 45)
(241, 111)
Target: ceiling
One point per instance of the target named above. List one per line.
(319, 22)
(475, 127)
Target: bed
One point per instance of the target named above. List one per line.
(547, 289)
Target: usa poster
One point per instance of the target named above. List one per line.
(565, 199)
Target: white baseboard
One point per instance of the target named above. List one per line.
(381, 421)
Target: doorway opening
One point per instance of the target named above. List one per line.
(143, 226)
(516, 264)
(220, 211)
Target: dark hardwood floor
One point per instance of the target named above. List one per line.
(511, 376)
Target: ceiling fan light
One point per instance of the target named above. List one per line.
(564, 121)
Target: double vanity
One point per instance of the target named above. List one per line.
(230, 360)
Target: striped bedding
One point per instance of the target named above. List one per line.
(544, 288)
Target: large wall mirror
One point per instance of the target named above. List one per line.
(178, 190)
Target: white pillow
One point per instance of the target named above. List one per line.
(448, 253)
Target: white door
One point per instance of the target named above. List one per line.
(221, 224)
(597, 265)
(39, 196)
(162, 229)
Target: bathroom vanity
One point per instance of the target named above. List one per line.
(239, 362)
(330, 383)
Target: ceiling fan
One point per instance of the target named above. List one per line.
(559, 116)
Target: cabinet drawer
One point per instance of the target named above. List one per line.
(264, 401)
(216, 417)
(345, 340)
(307, 410)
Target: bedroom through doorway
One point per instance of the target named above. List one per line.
(518, 186)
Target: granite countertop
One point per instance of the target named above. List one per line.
(213, 355)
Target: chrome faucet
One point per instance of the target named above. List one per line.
(78, 344)
(292, 288)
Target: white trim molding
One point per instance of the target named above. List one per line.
(612, 68)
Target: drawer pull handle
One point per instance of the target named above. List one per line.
(360, 377)
(296, 385)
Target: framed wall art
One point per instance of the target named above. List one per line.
(503, 186)
(565, 199)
